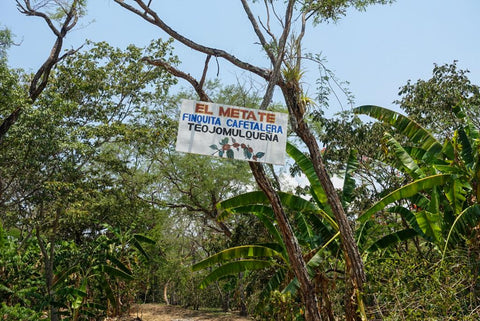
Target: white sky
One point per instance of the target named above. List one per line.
(377, 51)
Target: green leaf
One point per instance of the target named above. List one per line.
(467, 152)
(405, 192)
(144, 239)
(233, 268)
(462, 226)
(405, 161)
(116, 273)
(290, 201)
(391, 239)
(408, 216)
(260, 154)
(405, 126)
(431, 225)
(230, 154)
(349, 181)
(264, 213)
(119, 264)
(140, 248)
(455, 192)
(214, 147)
(235, 253)
(307, 168)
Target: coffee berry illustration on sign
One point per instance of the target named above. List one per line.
(228, 149)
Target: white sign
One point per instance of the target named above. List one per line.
(232, 132)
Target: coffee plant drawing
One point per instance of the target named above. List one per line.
(228, 149)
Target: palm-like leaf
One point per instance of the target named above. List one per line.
(349, 181)
(307, 168)
(406, 126)
(290, 201)
(392, 239)
(233, 268)
(406, 162)
(236, 253)
(405, 192)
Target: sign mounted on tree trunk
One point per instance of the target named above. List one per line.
(232, 132)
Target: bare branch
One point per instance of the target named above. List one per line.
(178, 73)
(151, 16)
(298, 41)
(259, 34)
(275, 77)
(29, 11)
(40, 79)
(267, 28)
(204, 74)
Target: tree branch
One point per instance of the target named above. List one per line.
(259, 34)
(40, 79)
(152, 17)
(198, 86)
(275, 77)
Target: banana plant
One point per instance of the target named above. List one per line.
(441, 203)
(315, 228)
(89, 283)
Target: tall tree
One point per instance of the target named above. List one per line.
(286, 70)
(66, 15)
(72, 164)
(439, 102)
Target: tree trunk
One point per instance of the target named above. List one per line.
(291, 243)
(165, 293)
(353, 260)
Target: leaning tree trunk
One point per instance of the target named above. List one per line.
(353, 260)
(291, 243)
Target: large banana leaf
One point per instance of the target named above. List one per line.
(137, 238)
(467, 151)
(263, 212)
(290, 201)
(307, 168)
(405, 192)
(258, 197)
(305, 231)
(431, 225)
(114, 272)
(233, 268)
(456, 191)
(312, 264)
(248, 208)
(235, 253)
(391, 239)
(409, 217)
(405, 126)
(462, 225)
(349, 181)
(406, 162)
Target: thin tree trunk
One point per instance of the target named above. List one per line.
(291, 243)
(165, 293)
(353, 260)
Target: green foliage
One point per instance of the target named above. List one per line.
(75, 161)
(280, 306)
(5, 42)
(439, 103)
(452, 169)
(406, 286)
(332, 10)
(21, 283)
(18, 313)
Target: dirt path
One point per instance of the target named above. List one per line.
(160, 312)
